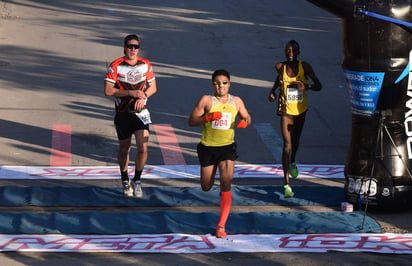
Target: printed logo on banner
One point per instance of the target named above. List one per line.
(164, 171)
(176, 243)
(364, 89)
(408, 105)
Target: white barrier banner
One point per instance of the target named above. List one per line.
(164, 171)
(183, 243)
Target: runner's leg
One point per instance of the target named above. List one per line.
(286, 127)
(142, 140)
(226, 170)
(123, 155)
(298, 124)
(207, 177)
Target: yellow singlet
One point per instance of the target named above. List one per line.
(220, 132)
(291, 100)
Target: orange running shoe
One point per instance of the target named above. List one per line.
(220, 232)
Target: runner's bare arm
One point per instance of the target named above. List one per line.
(143, 95)
(110, 90)
(197, 117)
(316, 86)
(272, 94)
(152, 89)
(242, 111)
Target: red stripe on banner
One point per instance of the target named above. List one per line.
(169, 145)
(61, 146)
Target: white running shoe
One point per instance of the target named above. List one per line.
(138, 192)
(127, 189)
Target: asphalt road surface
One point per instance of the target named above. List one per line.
(54, 56)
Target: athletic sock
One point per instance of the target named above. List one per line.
(137, 175)
(225, 205)
(125, 176)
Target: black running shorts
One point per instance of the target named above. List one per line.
(126, 124)
(212, 155)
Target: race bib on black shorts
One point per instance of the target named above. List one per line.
(144, 116)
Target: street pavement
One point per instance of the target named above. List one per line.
(54, 56)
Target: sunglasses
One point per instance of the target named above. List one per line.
(131, 46)
(220, 82)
